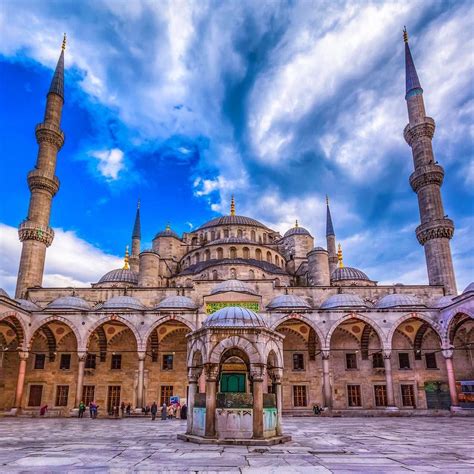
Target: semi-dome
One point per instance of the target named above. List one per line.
(342, 300)
(4, 293)
(27, 304)
(232, 220)
(167, 233)
(297, 230)
(348, 273)
(69, 302)
(120, 275)
(441, 302)
(397, 300)
(233, 285)
(288, 301)
(234, 316)
(123, 302)
(469, 288)
(176, 302)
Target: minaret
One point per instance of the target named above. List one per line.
(436, 229)
(136, 237)
(232, 206)
(330, 239)
(34, 232)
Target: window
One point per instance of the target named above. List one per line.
(226, 233)
(36, 392)
(404, 360)
(233, 273)
(197, 258)
(246, 252)
(430, 358)
(251, 274)
(39, 361)
(298, 362)
(380, 395)
(113, 398)
(253, 236)
(269, 257)
(167, 362)
(408, 396)
(62, 392)
(258, 254)
(65, 362)
(240, 234)
(299, 396)
(166, 393)
(233, 252)
(270, 388)
(213, 235)
(351, 361)
(90, 361)
(353, 396)
(377, 361)
(220, 253)
(214, 274)
(88, 392)
(207, 255)
(116, 362)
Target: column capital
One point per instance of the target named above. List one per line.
(387, 353)
(141, 355)
(81, 355)
(257, 372)
(276, 375)
(23, 355)
(325, 354)
(448, 353)
(193, 374)
(211, 371)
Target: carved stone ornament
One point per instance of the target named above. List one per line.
(424, 129)
(31, 231)
(435, 229)
(424, 175)
(37, 179)
(49, 134)
(212, 372)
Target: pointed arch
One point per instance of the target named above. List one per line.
(417, 343)
(196, 347)
(303, 318)
(11, 319)
(420, 316)
(238, 342)
(455, 323)
(364, 341)
(164, 319)
(37, 325)
(272, 348)
(102, 343)
(108, 318)
(50, 340)
(154, 345)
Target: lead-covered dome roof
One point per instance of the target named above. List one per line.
(123, 302)
(167, 233)
(342, 300)
(348, 273)
(288, 301)
(233, 285)
(69, 302)
(397, 300)
(4, 293)
(469, 288)
(441, 302)
(120, 275)
(234, 316)
(232, 220)
(297, 230)
(176, 302)
(27, 304)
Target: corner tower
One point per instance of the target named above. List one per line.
(34, 232)
(436, 229)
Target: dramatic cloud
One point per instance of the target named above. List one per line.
(111, 162)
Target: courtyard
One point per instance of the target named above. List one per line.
(319, 445)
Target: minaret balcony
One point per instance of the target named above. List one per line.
(423, 129)
(46, 132)
(435, 229)
(425, 175)
(39, 179)
(29, 230)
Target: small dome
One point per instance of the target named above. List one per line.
(348, 273)
(234, 316)
(288, 301)
(4, 293)
(342, 300)
(441, 302)
(233, 285)
(123, 302)
(120, 275)
(396, 300)
(176, 302)
(297, 230)
(167, 233)
(69, 302)
(469, 288)
(28, 305)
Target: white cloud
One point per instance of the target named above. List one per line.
(110, 162)
(70, 261)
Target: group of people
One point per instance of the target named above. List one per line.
(125, 409)
(168, 412)
(93, 409)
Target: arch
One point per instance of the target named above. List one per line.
(277, 261)
(360, 317)
(258, 254)
(215, 275)
(213, 235)
(196, 346)
(434, 326)
(300, 317)
(456, 322)
(419, 340)
(51, 342)
(207, 255)
(251, 274)
(19, 326)
(364, 341)
(102, 343)
(197, 258)
(246, 252)
(233, 273)
(269, 256)
(253, 236)
(226, 233)
(56, 318)
(154, 345)
(240, 233)
(233, 252)
(220, 253)
(238, 342)
(165, 319)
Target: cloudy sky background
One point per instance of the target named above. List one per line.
(184, 103)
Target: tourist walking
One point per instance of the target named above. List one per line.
(164, 411)
(184, 412)
(93, 410)
(129, 409)
(82, 409)
(154, 411)
(43, 410)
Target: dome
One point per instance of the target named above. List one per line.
(28, 305)
(176, 302)
(167, 233)
(232, 220)
(469, 288)
(348, 273)
(297, 230)
(231, 240)
(233, 285)
(288, 301)
(120, 275)
(123, 302)
(342, 300)
(441, 302)
(234, 316)
(69, 302)
(4, 293)
(395, 300)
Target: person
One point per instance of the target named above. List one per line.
(122, 408)
(177, 412)
(170, 411)
(154, 410)
(164, 411)
(93, 410)
(43, 410)
(129, 409)
(147, 409)
(317, 410)
(184, 412)
(82, 409)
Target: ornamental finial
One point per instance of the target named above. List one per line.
(339, 256)
(232, 206)
(63, 47)
(327, 200)
(296, 223)
(405, 34)
(168, 227)
(126, 266)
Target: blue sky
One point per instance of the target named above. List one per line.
(182, 104)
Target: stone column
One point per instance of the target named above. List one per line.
(80, 377)
(257, 374)
(387, 354)
(212, 371)
(141, 378)
(448, 357)
(326, 380)
(20, 384)
(193, 377)
(277, 378)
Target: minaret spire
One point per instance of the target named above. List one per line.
(34, 232)
(330, 239)
(232, 206)
(136, 239)
(436, 229)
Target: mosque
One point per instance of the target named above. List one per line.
(322, 333)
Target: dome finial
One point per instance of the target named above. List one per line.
(168, 227)
(126, 266)
(296, 223)
(232, 206)
(405, 34)
(339, 257)
(63, 47)
(327, 200)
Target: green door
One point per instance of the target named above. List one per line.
(234, 383)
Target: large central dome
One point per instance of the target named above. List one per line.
(232, 220)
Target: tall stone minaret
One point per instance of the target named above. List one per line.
(136, 237)
(330, 240)
(436, 229)
(34, 231)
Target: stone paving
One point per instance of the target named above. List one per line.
(319, 445)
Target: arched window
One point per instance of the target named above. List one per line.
(233, 273)
(240, 234)
(269, 257)
(258, 254)
(218, 234)
(194, 241)
(251, 274)
(213, 235)
(277, 261)
(220, 253)
(233, 252)
(197, 258)
(253, 236)
(277, 282)
(226, 233)
(246, 252)
(214, 274)
(207, 255)
(265, 238)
